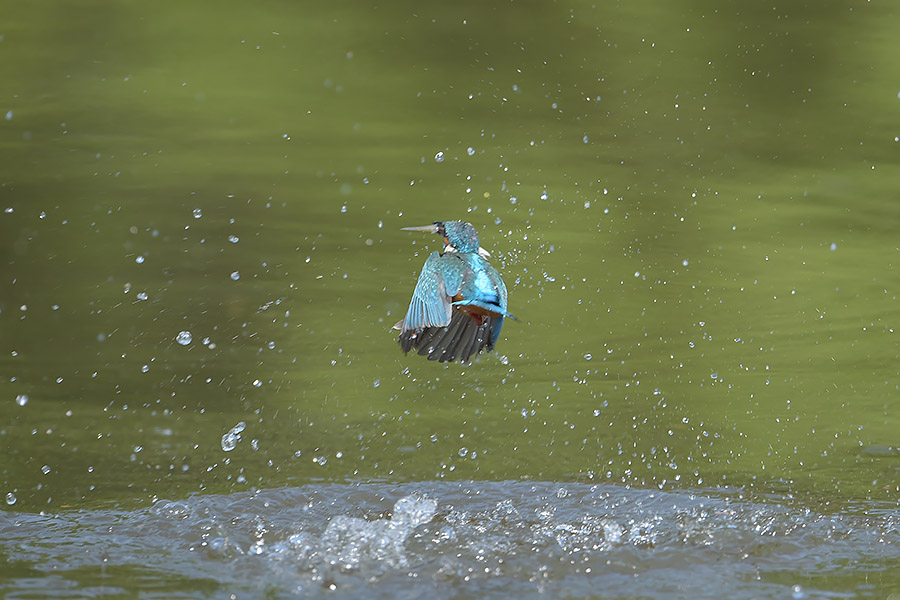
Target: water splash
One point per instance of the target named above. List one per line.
(350, 541)
(490, 539)
(230, 440)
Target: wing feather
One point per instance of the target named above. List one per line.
(432, 300)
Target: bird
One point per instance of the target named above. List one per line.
(460, 300)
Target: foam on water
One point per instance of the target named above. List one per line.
(441, 540)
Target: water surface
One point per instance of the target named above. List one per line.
(462, 539)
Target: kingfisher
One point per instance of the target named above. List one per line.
(459, 303)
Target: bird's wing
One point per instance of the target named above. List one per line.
(431, 304)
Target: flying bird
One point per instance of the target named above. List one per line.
(459, 303)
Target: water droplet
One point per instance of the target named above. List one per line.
(139, 260)
(233, 239)
(470, 151)
(11, 498)
(257, 383)
(235, 276)
(198, 213)
(321, 460)
(545, 195)
(377, 383)
(9, 115)
(22, 399)
(463, 451)
(184, 338)
(439, 157)
(298, 453)
(586, 139)
(230, 440)
(142, 296)
(145, 368)
(684, 262)
(588, 356)
(833, 246)
(45, 469)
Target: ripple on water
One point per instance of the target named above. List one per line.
(479, 539)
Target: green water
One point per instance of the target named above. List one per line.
(694, 206)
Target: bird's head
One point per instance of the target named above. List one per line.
(459, 236)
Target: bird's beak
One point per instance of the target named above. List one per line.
(433, 228)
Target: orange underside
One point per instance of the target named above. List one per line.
(476, 312)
